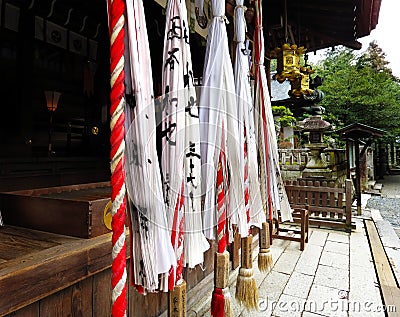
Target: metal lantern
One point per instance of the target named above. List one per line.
(295, 90)
(52, 98)
(288, 62)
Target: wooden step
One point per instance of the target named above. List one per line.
(371, 184)
(378, 187)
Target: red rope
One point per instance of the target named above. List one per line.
(246, 181)
(177, 230)
(118, 281)
(222, 231)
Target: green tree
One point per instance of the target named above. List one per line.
(375, 58)
(361, 89)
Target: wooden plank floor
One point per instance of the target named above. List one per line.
(17, 242)
(37, 264)
(387, 281)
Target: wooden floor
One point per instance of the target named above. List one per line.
(36, 264)
(52, 275)
(18, 242)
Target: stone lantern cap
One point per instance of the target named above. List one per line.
(316, 123)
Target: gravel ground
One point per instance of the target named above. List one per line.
(388, 207)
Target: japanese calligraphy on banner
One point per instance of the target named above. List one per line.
(180, 160)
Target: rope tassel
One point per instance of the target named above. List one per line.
(221, 298)
(246, 286)
(265, 260)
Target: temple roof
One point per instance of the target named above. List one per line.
(359, 131)
(319, 24)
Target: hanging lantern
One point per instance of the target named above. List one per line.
(295, 90)
(52, 98)
(288, 62)
(301, 85)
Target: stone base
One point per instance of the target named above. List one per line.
(317, 173)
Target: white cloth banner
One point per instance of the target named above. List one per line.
(272, 186)
(152, 250)
(181, 141)
(245, 111)
(218, 111)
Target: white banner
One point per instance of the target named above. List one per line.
(11, 17)
(56, 35)
(78, 43)
(39, 28)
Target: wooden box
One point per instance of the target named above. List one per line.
(74, 210)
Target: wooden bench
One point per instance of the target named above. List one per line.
(328, 205)
(291, 234)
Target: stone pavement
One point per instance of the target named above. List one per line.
(333, 276)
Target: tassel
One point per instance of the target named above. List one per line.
(227, 302)
(217, 303)
(177, 301)
(265, 261)
(246, 287)
(221, 298)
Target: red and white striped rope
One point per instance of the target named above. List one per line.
(222, 231)
(118, 281)
(246, 178)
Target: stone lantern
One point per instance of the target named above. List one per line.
(316, 166)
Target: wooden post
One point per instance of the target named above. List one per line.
(348, 203)
(235, 250)
(358, 176)
(221, 268)
(177, 301)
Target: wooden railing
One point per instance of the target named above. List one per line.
(328, 204)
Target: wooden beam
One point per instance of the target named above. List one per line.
(389, 289)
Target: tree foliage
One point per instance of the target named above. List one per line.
(361, 89)
(286, 117)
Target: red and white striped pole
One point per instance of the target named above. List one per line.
(116, 23)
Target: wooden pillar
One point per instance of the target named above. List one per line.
(268, 71)
(358, 176)
(25, 55)
(348, 144)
